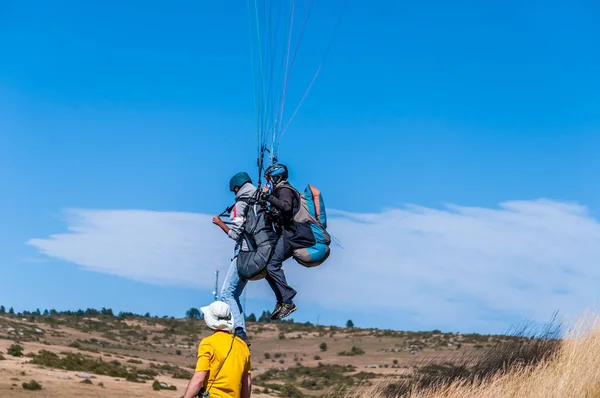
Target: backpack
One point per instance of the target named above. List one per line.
(258, 233)
(312, 212)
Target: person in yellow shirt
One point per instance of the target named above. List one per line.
(223, 367)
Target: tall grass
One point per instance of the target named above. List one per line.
(548, 365)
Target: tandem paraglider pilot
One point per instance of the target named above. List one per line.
(301, 223)
(223, 367)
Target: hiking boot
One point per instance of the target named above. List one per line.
(276, 311)
(239, 332)
(286, 310)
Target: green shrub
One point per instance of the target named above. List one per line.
(182, 374)
(177, 372)
(289, 391)
(16, 350)
(313, 378)
(156, 386)
(85, 363)
(133, 377)
(32, 385)
(323, 347)
(354, 351)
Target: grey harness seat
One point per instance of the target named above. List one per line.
(260, 238)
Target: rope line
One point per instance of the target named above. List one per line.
(275, 41)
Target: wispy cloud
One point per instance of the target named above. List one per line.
(452, 266)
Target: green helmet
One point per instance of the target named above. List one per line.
(238, 180)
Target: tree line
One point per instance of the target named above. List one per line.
(192, 313)
(90, 312)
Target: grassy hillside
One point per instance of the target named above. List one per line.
(548, 367)
(130, 355)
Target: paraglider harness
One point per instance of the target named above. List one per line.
(308, 224)
(258, 234)
(261, 237)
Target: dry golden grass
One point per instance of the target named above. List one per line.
(574, 371)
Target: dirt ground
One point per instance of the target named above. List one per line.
(383, 355)
(64, 384)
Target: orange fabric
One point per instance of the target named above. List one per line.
(316, 193)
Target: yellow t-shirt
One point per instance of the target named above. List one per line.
(212, 352)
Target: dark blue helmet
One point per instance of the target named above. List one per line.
(239, 180)
(276, 173)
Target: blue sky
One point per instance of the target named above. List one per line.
(143, 106)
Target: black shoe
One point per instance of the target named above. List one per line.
(239, 332)
(286, 310)
(275, 311)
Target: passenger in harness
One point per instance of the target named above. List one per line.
(284, 203)
(233, 285)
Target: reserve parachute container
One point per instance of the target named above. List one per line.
(312, 212)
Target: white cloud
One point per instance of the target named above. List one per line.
(456, 266)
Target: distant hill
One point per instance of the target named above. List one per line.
(126, 354)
